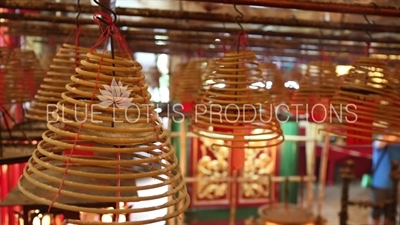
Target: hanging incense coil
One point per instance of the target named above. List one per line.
(396, 77)
(30, 62)
(46, 60)
(53, 85)
(189, 82)
(207, 77)
(367, 102)
(4, 55)
(238, 101)
(174, 80)
(317, 86)
(274, 82)
(20, 74)
(123, 140)
(153, 77)
(292, 82)
(295, 75)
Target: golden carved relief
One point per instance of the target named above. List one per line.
(258, 164)
(214, 164)
(212, 167)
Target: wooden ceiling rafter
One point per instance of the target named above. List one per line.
(319, 6)
(360, 37)
(210, 17)
(51, 30)
(204, 43)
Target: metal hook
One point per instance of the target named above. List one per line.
(321, 43)
(79, 13)
(366, 30)
(239, 17)
(107, 9)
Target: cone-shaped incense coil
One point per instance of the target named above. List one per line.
(292, 82)
(4, 55)
(318, 84)
(53, 85)
(274, 82)
(396, 77)
(174, 80)
(366, 102)
(207, 77)
(123, 132)
(46, 60)
(189, 82)
(31, 64)
(20, 74)
(237, 101)
(295, 75)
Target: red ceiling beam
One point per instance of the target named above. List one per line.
(362, 9)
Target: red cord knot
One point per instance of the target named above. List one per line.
(100, 17)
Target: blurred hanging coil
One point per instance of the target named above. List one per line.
(275, 84)
(238, 100)
(317, 86)
(295, 75)
(174, 80)
(30, 61)
(207, 77)
(189, 82)
(53, 85)
(367, 102)
(396, 78)
(292, 82)
(109, 114)
(153, 77)
(4, 55)
(45, 60)
(21, 73)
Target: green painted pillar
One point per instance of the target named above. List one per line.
(175, 127)
(175, 141)
(288, 165)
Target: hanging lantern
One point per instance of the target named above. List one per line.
(317, 87)
(107, 111)
(367, 104)
(237, 108)
(53, 85)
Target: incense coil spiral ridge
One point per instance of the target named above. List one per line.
(53, 84)
(174, 80)
(21, 74)
(274, 82)
(4, 55)
(239, 101)
(292, 82)
(30, 61)
(189, 82)
(396, 77)
(367, 101)
(106, 115)
(317, 86)
(207, 77)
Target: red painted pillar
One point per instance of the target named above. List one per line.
(3, 193)
(13, 176)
